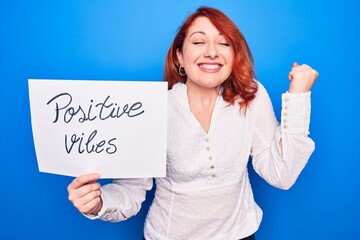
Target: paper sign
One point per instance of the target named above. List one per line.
(115, 128)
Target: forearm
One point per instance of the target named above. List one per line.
(281, 158)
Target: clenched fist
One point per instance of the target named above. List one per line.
(302, 78)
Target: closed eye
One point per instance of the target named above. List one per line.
(198, 43)
(225, 44)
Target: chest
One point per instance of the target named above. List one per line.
(221, 152)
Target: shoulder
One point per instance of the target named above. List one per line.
(261, 101)
(261, 89)
(177, 96)
(177, 89)
(260, 93)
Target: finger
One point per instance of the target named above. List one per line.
(90, 206)
(84, 190)
(291, 75)
(86, 199)
(295, 64)
(306, 66)
(82, 180)
(95, 205)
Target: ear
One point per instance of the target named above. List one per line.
(180, 57)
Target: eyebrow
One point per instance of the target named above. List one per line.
(203, 33)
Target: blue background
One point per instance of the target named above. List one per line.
(112, 39)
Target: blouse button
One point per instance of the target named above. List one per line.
(207, 148)
(212, 166)
(210, 158)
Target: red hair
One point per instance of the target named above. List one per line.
(241, 83)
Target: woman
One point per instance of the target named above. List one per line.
(218, 116)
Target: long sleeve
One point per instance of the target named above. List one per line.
(280, 152)
(122, 198)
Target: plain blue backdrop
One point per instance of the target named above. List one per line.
(113, 39)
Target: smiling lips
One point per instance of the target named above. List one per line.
(210, 67)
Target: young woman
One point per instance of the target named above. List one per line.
(218, 116)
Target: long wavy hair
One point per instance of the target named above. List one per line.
(240, 84)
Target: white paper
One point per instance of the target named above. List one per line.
(115, 128)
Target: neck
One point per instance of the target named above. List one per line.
(201, 96)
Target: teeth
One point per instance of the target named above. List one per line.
(210, 66)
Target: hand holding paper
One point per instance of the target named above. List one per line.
(84, 193)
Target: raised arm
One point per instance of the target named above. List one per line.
(281, 152)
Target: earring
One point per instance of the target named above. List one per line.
(182, 71)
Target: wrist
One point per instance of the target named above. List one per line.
(298, 90)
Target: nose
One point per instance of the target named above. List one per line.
(211, 51)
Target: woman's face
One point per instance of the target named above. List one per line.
(207, 55)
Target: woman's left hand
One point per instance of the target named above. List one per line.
(302, 78)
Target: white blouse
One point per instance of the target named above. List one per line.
(207, 194)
